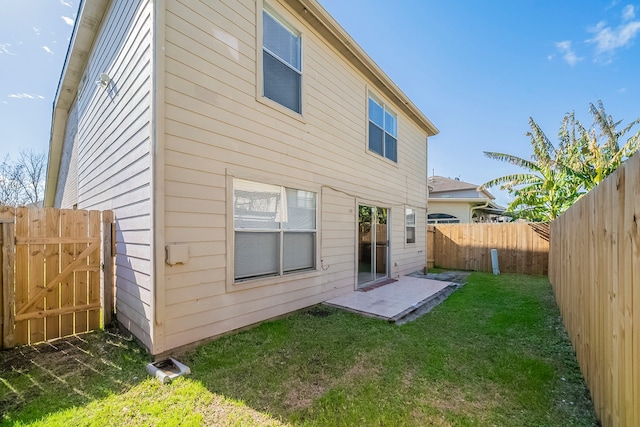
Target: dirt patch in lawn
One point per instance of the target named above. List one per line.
(301, 394)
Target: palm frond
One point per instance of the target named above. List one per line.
(605, 123)
(514, 160)
(543, 149)
(557, 177)
(510, 181)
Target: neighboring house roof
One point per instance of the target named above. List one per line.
(453, 190)
(88, 24)
(439, 185)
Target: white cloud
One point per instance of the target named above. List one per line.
(67, 20)
(567, 52)
(612, 5)
(24, 96)
(65, 3)
(608, 39)
(5, 48)
(46, 49)
(36, 30)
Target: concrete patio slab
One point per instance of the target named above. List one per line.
(394, 300)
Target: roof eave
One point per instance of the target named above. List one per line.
(91, 13)
(315, 14)
(485, 191)
(454, 190)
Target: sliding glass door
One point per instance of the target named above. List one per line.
(373, 244)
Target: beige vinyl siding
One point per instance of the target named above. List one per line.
(461, 210)
(216, 129)
(67, 189)
(114, 158)
(408, 257)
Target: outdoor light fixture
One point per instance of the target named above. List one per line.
(104, 80)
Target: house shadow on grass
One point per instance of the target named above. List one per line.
(42, 379)
(99, 378)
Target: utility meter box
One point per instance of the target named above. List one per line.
(177, 254)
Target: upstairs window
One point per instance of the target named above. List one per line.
(281, 62)
(383, 130)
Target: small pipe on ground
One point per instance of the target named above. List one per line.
(494, 261)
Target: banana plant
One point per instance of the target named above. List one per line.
(555, 177)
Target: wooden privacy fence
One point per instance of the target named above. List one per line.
(595, 273)
(52, 285)
(522, 247)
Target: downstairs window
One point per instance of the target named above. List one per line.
(274, 230)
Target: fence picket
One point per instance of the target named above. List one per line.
(81, 291)
(94, 275)
(21, 330)
(595, 274)
(52, 268)
(109, 251)
(431, 236)
(7, 297)
(521, 247)
(37, 228)
(66, 257)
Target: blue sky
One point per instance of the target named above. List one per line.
(478, 70)
(34, 37)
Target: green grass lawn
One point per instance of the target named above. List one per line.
(493, 354)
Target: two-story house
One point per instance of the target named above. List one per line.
(256, 159)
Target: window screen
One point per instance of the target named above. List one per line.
(410, 225)
(383, 130)
(281, 63)
(275, 230)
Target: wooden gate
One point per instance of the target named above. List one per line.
(52, 284)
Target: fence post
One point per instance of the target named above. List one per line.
(8, 294)
(431, 246)
(109, 253)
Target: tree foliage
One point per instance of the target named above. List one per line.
(22, 181)
(557, 176)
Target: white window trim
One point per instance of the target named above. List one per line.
(231, 284)
(415, 226)
(285, 18)
(386, 108)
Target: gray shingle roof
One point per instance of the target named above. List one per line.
(440, 184)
